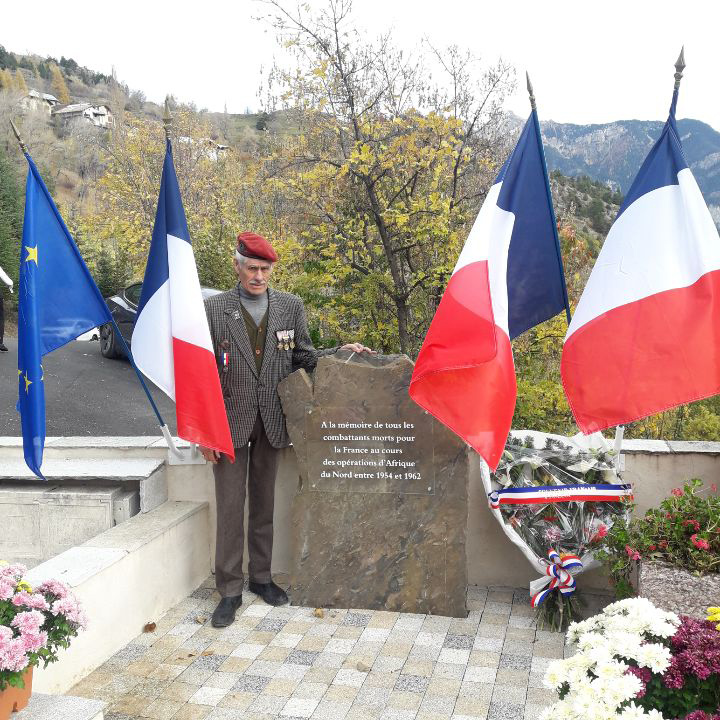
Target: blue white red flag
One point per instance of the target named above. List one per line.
(171, 339)
(646, 333)
(508, 278)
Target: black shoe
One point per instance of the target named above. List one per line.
(3, 348)
(225, 611)
(269, 592)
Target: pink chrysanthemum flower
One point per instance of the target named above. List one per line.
(31, 600)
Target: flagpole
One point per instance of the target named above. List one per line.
(679, 67)
(163, 425)
(536, 123)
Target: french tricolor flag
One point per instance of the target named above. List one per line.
(508, 278)
(646, 333)
(171, 339)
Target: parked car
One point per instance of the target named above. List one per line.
(123, 307)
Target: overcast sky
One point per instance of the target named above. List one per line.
(589, 62)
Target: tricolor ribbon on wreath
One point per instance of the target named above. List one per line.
(544, 494)
(558, 575)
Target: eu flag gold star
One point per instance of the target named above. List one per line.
(28, 383)
(32, 254)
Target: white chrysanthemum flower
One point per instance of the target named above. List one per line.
(600, 655)
(591, 639)
(556, 674)
(561, 710)
(585, 702)
(627, 687)
(654, 715)
(664, 627)
(633, 712)
(610, 670)
(654, 656)
(549, 713)
(600, 712)
(581, 661)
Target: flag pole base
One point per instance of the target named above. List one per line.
(181, 456)
(617, 448)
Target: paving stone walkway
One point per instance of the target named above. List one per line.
(294, 662)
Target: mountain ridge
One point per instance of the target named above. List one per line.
(612, 153)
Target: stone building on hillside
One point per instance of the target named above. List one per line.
(98, 115)
(36, 100)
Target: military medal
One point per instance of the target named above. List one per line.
(292, 339)
(286, 339)
(278, 334)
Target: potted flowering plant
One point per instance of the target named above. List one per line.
(677, 548)
(34, 625)
(636, 661)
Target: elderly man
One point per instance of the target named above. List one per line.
(260, 336)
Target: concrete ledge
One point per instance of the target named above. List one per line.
(126, 469)
(694, 446)
(102, 441)
(144, 446)
(126, 577)
(61, 707)
(645, 446)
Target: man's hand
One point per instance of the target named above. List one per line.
(358, 348)
(212, 456)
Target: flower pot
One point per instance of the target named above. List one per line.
(14, 699)
(677, 590)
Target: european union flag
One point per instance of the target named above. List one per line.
(57, 301)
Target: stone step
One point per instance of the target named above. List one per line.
(146, 473)
(92, 447)
(61, 707)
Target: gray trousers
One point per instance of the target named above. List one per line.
(255, 466)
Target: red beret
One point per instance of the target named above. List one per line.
(255, 246)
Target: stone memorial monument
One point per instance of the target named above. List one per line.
(380, 515)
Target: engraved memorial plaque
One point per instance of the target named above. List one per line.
(350, 450)
(380, 515)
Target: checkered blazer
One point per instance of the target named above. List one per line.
(245, 390)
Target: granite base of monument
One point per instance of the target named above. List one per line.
(380, 515)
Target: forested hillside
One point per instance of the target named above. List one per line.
(366, 178)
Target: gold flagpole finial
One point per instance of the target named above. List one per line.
(167, 118)
(23, 147)
(679, 67)
(530, 91)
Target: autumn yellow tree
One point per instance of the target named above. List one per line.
(383, 174)
(6, 80)
(216, 189)
(59, 86)
(20, 84)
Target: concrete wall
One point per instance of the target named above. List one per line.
(653, 467)
(126, 577)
